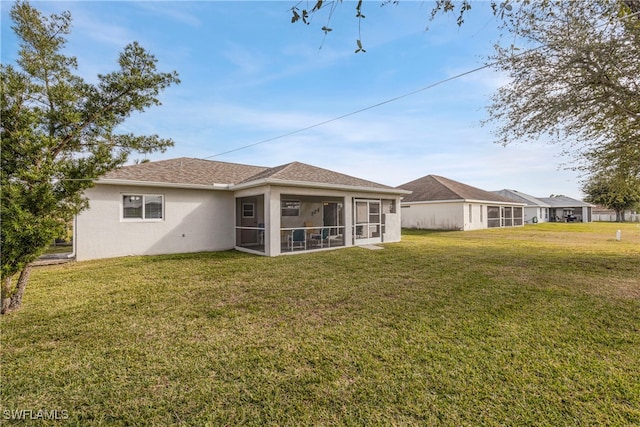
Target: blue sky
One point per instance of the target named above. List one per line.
(249, 75)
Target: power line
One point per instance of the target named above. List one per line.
(388, 101)
(352, 113)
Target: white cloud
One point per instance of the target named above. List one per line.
(249, 62)
(180, 12)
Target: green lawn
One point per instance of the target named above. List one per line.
(531, 326)
(59, 248)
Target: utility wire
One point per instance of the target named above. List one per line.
(352, 113)
(388, 101)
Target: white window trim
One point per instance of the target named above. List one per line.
(253, 210)
(283, 208)
(143, 219)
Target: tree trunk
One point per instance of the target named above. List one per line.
(620, 217)
(12, 300)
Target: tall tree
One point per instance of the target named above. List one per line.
(573, 67)
(613, 191)
(575, 79)
(59, 133)
(614, 180)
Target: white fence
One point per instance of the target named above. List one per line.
(612, 217)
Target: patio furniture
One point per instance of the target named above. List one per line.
(319, 238)
(325, 237)
(298, 239)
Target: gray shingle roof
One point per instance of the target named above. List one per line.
(191, 171)
(301, 172)
(521, 197)
(564, 202)
(434, 188)
(185, 170)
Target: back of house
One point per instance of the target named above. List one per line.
(193, 205)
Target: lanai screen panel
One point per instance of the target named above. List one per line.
(493, 216)
(517, 216)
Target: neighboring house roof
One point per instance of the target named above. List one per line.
(186, 171)
(564, 202)
(437, 188)
(521, 197)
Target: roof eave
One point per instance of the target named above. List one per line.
(432, 201)
(493, 202)
(496, 202)
(328, 186)
(131, 183)
(251, 184)
(572, 206)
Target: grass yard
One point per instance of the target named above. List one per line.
(531, 326)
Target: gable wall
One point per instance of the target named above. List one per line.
(194, 221)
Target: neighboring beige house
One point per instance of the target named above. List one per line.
(192, 205)
(443, 204)
(535, 210)
(566, 209)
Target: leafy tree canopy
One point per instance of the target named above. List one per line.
(574, 77)
(59, 133)
(613, 191)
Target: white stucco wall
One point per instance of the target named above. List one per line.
(392, 227)
(194, 221)
(537, 212)
(434, 216)
(450, 215)
(478, 218)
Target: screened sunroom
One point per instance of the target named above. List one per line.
(295, 222)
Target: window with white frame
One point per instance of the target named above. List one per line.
(143, 206)
(248, 210)
(291, 208)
